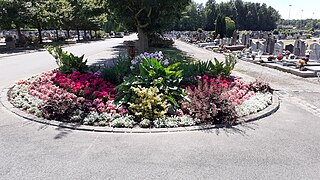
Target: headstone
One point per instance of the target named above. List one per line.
(245, 39)
(234, 37)
(289, 47)
(289, 37)
(225, 41)
(220, 41)
(315, 52)
(254, 47)
(265, 35)
(278, 48)
(229, 41)
(299, 48)
(270, 45)
(262, 48)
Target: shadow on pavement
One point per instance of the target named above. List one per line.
(116, 52)
(238, 129)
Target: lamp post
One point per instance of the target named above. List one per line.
(289, 10)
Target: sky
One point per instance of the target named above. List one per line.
(299, 8)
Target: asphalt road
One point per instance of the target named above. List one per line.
(283, 146)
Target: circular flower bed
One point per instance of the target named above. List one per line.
(149, 91)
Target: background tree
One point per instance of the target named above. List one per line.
(210, 17)
(230, 26)
(38, 15)
(246, 15)
(221, 26)
(59, 11)
(14, 15)
(147, 16)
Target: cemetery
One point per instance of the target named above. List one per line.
(159, 89)
(265, 49)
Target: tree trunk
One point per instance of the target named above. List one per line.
(90, 34)
(95, 34)
(143, 43)
(78, 33)
(68, 33)
(40, 35)
(57, 34)
(85, 34)
(21, 40)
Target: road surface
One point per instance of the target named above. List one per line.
(283, 146)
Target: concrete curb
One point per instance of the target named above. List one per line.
(7, 105)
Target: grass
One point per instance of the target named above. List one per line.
(173, 53)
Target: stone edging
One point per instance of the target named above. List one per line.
(5, 102)
(285, 69)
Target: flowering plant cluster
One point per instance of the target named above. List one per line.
(86, 85)
(209, 101)
(257, 102)
(280, 57)
(149, 96)
(158, 55)
(238, 93)
(301, 63)
(215, 99)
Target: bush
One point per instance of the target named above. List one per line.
(260, 86)
(8, 39)
(116, 73)
(207, 103)
(68, 63)
(153, 74)
(58, 109)
(148, 103)
(214, 69)
(308, 36)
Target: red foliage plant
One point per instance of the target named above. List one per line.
(209, 103)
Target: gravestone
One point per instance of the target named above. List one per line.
(278, 48)
(289, 47)
(315, 51)
(250, 42)
(299, 48)
(234, 37)
(225, 41)
(245, 39)
(270, 45)
(262, 48)
(220, 41)
(254, 47)
(229, 41)
(265, 35)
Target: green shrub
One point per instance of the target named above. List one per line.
(308, 36)
(148, 103)
(214, 69)
(68, 63)
(153, 73)
(118, 71)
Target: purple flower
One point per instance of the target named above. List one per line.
(166, 62)
(134, 62)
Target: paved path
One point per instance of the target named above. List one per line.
(283, 146)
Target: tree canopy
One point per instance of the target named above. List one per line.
(147, 16)
(53, 14)
(246, 15)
